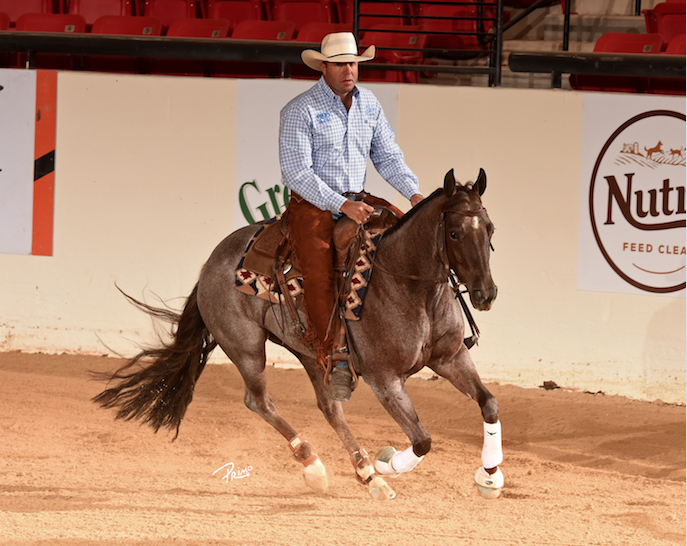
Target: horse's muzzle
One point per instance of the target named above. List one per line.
(483, 299)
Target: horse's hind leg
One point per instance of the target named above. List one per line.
(251, 366)
(333, 412)
(462, 374)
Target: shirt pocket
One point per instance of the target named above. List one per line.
(327, 140)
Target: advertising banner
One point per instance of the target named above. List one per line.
(632, 195)
(17, 110)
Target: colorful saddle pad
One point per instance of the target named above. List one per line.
(262, 286)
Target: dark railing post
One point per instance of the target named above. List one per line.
(556, 79)
(638, 7)
(356, 24)
(495, 59)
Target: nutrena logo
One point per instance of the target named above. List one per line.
(637, 201)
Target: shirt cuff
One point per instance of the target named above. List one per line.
(336, 203)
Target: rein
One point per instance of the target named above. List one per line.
(449, 275)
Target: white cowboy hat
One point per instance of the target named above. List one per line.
(339, 47)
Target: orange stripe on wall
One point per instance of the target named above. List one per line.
(44, 187)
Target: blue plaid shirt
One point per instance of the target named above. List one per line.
(323, 149)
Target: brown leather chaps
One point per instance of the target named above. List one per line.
(310, 230)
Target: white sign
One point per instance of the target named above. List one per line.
(258, 176)
(632, 195)
(17, 128)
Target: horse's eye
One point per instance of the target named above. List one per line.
(453, 235)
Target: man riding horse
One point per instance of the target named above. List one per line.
(325, 138)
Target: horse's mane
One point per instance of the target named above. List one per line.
(414, 211)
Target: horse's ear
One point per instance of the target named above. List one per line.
(449, 184)
(481, 184)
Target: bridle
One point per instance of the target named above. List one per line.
(443, 246)
(449, 274)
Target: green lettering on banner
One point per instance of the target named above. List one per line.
(265, 212)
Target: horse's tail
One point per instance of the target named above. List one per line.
(159, 393)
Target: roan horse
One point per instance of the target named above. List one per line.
(411, 319)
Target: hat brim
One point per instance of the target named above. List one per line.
(313, 58)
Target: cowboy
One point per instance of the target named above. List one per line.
(326, 136)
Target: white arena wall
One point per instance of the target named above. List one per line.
(146, 187)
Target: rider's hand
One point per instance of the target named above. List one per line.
(357, 211)
(415, 199)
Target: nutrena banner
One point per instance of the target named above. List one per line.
(632, 195)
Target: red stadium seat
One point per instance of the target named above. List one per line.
(199, 28)
(464, 30)
(235, 11)
(380, 13)
(50, 22)
(667, 19)
(301, 12)
(14, 8)
(122, 25)
(314, 32)
(170, 10)
(93, 9)
(190, 28)
(392, 48)
(619, 42)
(255, 30)
(670, 86)
(4, 21)
(127, 25)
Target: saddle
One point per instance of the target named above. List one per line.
(270, 257)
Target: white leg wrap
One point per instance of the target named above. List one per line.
(492, 452)
(404, 461)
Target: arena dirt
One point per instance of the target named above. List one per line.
(581, 469)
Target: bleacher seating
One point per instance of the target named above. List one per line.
(122, 25)
(255, 30)
(667, 19)
(398, 39)
(50, 22)
(375, 13)
(14, 8)
(461, 25)
(169, 11)
(93, 9)
(301, 12)
(4, 21)
(190, 28)
(235, 11)
(618, 42)
(670, 86)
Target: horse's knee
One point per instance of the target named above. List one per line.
(422, 447)
(490, 409)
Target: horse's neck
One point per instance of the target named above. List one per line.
(414, 250)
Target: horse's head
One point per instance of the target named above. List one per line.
(468, 238)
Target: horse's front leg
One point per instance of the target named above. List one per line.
(461, 372)
(333, 412)
(392, 394)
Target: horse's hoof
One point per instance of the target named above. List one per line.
(315, 476)
(489, 485)
(380, 490)
(383, 462)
